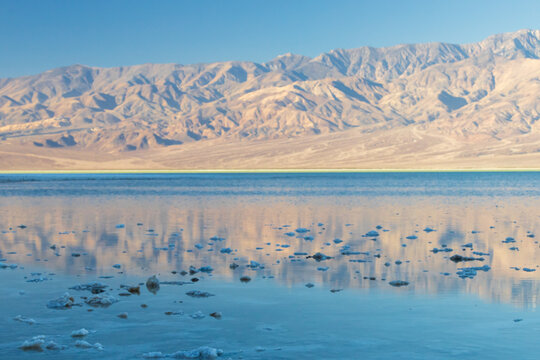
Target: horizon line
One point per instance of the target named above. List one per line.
(262, 171)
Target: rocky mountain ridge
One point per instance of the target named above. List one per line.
(464, 94)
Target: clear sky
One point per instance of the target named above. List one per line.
(37, 35)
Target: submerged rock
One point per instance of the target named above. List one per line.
(320, 257)
(372, 233)
(349, 252)
(179, 282)
(479, 253)
(458, 258)
(24, 319)
(8, 266)
(444, 249)
(206, 269)
(254, 264)
(152, 284)
(197, 315)
(155, 355)
(86, 345)
(471, 272)
(199, 294)
(94, 287)
(132, 289)
(169, 313)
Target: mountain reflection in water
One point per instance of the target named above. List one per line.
(166, 216)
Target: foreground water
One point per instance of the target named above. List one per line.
(377, 229)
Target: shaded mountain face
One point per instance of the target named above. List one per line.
(486, 90)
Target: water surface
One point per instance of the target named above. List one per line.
(160, 224)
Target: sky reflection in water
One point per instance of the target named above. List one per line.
(253, 212)
(168, 221)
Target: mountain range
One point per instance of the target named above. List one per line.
(415, 106)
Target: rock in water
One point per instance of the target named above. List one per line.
(216, 315)
(80, 333)
(458, 258)
(197, 315)
(202, 353)
(66, 301)
(320, 257)
(152, 284)
(51, 345)
(86, 345)
(34, 344)
(24, 319)
(199, 294)
(94, 287)
(101, 300)
(372, 233)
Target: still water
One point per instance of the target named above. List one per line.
(64, 230)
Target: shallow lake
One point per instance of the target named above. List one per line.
(463, 246)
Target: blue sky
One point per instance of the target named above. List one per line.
(38, 35)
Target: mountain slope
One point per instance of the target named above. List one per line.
(482, 96)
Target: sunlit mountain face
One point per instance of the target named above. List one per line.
(433, 105)
(155, 224)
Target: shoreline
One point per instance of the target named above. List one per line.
(263, 171)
